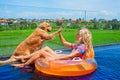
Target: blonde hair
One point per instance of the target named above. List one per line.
(86, 38)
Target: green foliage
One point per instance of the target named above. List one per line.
(18, 26)
(10, 39)
(58, 23)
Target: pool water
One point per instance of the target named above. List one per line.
(107, 57)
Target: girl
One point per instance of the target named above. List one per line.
(82, 49)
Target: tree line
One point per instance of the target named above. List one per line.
(113, 24)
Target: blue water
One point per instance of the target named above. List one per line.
(107, 57)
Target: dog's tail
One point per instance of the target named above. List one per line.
(7, 61)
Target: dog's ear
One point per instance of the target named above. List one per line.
(42, 25)
(43, 28)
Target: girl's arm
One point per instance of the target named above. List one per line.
(64, 42)
(80, 50)
(69, 56)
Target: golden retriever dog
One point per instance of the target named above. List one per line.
(33, 42)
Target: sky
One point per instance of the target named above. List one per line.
(52, 9)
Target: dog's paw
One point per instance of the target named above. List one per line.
(60, 29)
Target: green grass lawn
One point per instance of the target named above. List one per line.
(10, 39)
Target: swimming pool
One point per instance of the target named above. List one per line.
(107, 57)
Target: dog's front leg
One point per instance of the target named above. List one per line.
(51, 36)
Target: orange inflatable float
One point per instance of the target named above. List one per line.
(66, 67)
